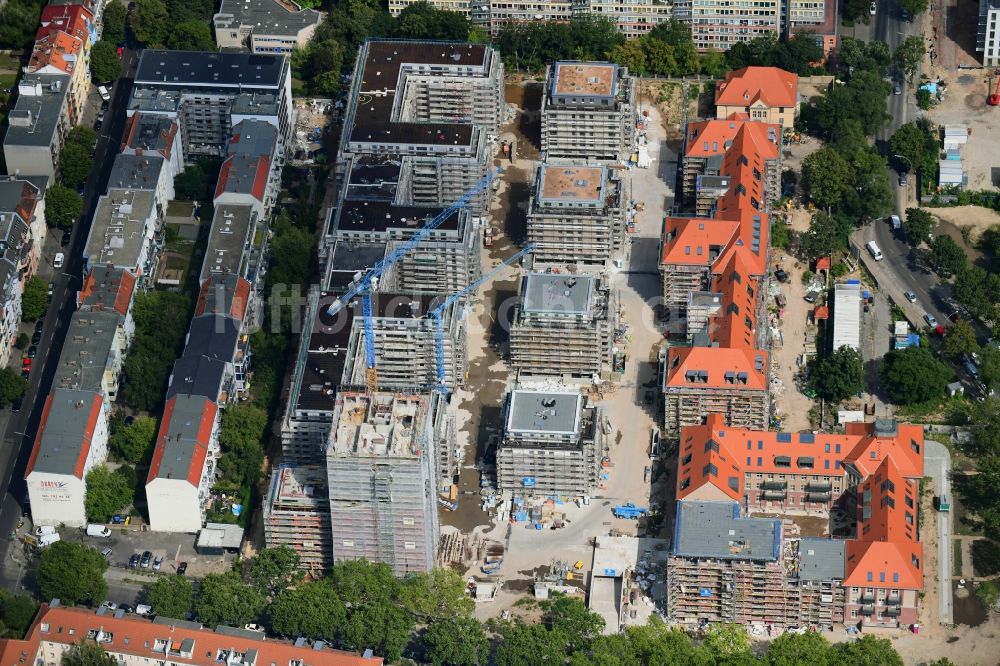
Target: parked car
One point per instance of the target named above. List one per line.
(36, 337)
(182, 568)
(897, 90)
(147, 557)
(26, 363)
(97, 530)
(66, 238)
(872, 8)
(107, 553)
(106, 96)
(910, 296)
(930, 319)
(781, 275)
(59, 260)
(133, 562)
(52, 288)
(143, 609)
(110, 605)
(25, 373)
(39, 325)
(157, 563)
(42, 530)
(126, 607)
(16, 405)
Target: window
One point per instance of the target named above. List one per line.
(686, 459)
(710, 469)
(711, 445)
(914, 446)
(916, 561)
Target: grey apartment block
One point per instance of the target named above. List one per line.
(297, 514)
(380, 471)
(576, 216)
(37, 125)
(434, 107)
(264, 26)
(551, 444)
(588, 112)
(563, 327)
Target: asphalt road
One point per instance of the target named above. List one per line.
(937, 464)
(21, 427)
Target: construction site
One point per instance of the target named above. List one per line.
(563, 327)
(297, 514)
(588, 112)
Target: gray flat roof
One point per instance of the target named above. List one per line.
(136, 172)
(35, 116)
(117, 233)
(147, 131)
(821, 559)
(227, 239)
(67, 425)
(212, 69)
(716, 530)
(86, 351)
(554, 293)
(182, 437)
(252, 138)
(255, 103)
(267, 17)
(220, 535)
(212, 341)
(546, 412)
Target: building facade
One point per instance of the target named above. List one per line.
(264, 26)
(764, 94)
(988, 32)
(716, 25)
(37, 125)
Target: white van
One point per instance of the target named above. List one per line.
(48, 539)
(105, 95)
(96, 530)
(874, 251)
(42, 530)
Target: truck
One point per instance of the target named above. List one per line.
(42, 530)
(48, 539)
(95, 530)
(629, 511)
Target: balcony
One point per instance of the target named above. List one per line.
(892, 611)
(893, 600)
(867, 598)
(819, 487)
(868, 610)
(773, 494)
(817, 497)
(774, 485)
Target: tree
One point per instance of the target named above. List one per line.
(241, 433)
(436, 595)
(75, 164)
(862, 99)
(914, 375)
(910, 54)
(914, 7)
(870, 195)
(191, 35)
(108, 493)
(105, 65)
(35, 299)
(170, 596)
(182, 11)
(161, 322)
(62, 206)
(827, 176)
(978, 290)
(12, 386)
(910, 142)
(17, 613)
(193, 184)
(923, 99)
(82, 136)
(726, 641)
(529, 645)
(135, 442)
(826, 234)
(149, 21)
(224, 599)
(86, 653)
(72, 573)
(456, 642)
(421, 20)
(866, 651)
(274, 569)
(375, 617)
(917, 226)
(839, 375)
(946, 255)
(18, 23)
(113, 21)
(795, 649)
(574, 621)
(632, 54)
(959, 339)
(312, 609)
(989, 369)
(290, 265)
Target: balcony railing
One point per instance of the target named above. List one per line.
(773, 485)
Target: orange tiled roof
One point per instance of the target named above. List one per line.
(145, 639)
(906, 449)
(58, 49)
(696, 241)
(770, 85)
(884, 564)
(887, 505)
(717, 367)
(714, 137)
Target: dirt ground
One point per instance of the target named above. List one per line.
(965, 104)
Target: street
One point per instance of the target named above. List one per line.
(20, 428)
(937, 464)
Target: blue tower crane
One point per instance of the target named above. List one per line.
(435, 314)
(366, 283)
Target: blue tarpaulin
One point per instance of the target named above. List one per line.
(704, 592)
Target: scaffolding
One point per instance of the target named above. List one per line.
(741, 408)
(297, 514)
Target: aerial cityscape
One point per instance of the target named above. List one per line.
(362, 332)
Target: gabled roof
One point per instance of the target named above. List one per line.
(65, 433)
(714, 137)
(883, 511)
(707, 469)
(107, 286)
(904, 442)
(770, 85)
(717, 367)
(884, 564)
(736, 322)
(56, 49)
(182, 443)
(695, 241)
(241, 174)
(227, 295)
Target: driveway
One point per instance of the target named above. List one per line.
(937, 464)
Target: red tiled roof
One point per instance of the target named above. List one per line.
(696, 240)
(770, 85)
(142, 638)
(887, 505)
(713, 137)
(716, 363)
(85, 440)
(238, 305)
(906, 449)
(710, 467)
(874, 563)
(58, 49)
(200, 452)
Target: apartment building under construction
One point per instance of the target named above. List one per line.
(552, 444)
(297, 514)
(380, 472)
(563, 327)
(576, 216)
(588, 112)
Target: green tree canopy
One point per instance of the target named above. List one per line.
(108, 493)
(312, 609)
(170, 596)
(72, 573)
(457, 641)
(35, 299)
(960, 339)
(191, 35)
(910, 54)
(917, 146)
(917, 226)
(529, 645)
(274, 569)
(914, 7)
(989, 372)
(240, 436)
(224, 599)
(861, 99)
(866, 651)
(422, 20)
(946, 256)
(375, 615)
(134, 442)
(827, 177)
(82, 136)
(113, 22)
(796, 649)
(17, 613)
(75, 164)
(870, 195)
(62, 206)
(150, 21)
(914, 375)
(105, 65)
(12, 386)
(87, 653)
(161, 323)
(826, 234)
(18, 23)
(840, 375)
(436, 595)
(978, 290)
